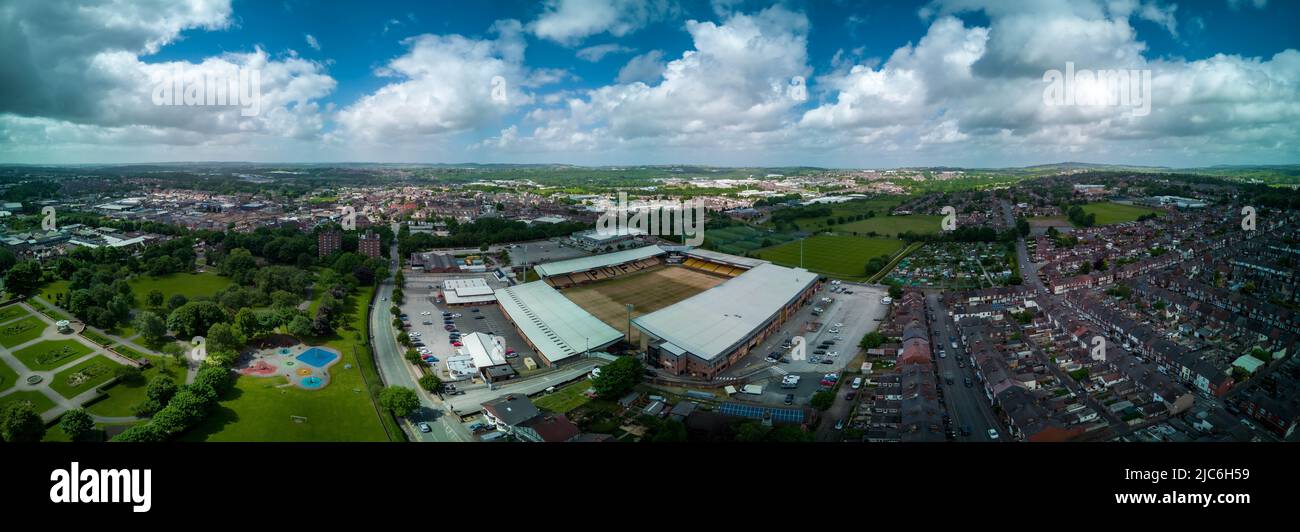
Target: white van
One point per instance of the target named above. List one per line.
(857, 382)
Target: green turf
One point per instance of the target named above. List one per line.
(21, 331)
(39, 401)
(190, 285)
(12, 311)
(1116, 213)
(837, 255)
(893, 225)
(122, 398)
(50, 354)
(258, 410)
(8, 377)
(878, 205)
(95, 371)
(566, 398)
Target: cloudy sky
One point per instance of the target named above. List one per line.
(725, 82)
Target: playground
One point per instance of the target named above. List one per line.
(302, 365)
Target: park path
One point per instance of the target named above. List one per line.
(61, 404)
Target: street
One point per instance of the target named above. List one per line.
(395, 371)
(966, 405)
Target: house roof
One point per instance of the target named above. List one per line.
(512, 409)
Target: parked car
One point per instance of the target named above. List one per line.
(839, 425)
(993, 434)
(424, 427)
(965, 430)
(849, 396)
(789, 398)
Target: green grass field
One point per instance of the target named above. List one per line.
(122, 397)
(8, 377)
(50, 354)
(84, 376)
(12, 311)
(893, 225)
(836, 255)
(257, 410)
(189, 285)
(878, 205)
(1116, 213)
(21, 331)
(566, 398)
(39, 401)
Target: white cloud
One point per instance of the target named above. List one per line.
(733, 89)
(568, 22)
(979, 90)
(595, 54)
(645, 68)
(312, 42)
(446, 84)
(92, 85)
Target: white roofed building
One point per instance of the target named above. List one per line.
(473, 291)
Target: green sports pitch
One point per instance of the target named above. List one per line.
(836, 255)
(1116, 213)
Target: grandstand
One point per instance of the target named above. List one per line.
(572, 272)
(703, 335)
(554, 327)
(718, 263)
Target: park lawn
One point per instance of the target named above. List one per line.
(11, 312)
(99, 370)
(37, 357)
(21, 331)
(190, 285)
(257, 409)
(836, 255)
(565, 399)
(55, 433)
(40, 403)
(1117, 213)
(894, 225)
(8, 377)
(121, 397)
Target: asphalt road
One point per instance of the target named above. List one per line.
(967, 406)
(395, 371)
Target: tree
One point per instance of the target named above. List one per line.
(151, 326)
(161, 389)
(176, 301)
(872, 340)
(155, 298)
(401, 401)
(431, 383)
(822, 400)
(618, 377)
(895, 292)
(143, 433)
(128, 375)
(300, 326)
(77, 424)
(23, 277)
(195, 317)
(19, 422)
(222, 337)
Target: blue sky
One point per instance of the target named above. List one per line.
(888, 83)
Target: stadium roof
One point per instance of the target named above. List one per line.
(557, 327)
(582, 264)
(734, 260)
(713, 322)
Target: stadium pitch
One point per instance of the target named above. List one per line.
(647, 291)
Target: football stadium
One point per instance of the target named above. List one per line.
(694, 312)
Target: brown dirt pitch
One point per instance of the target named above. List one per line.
(647, 291)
